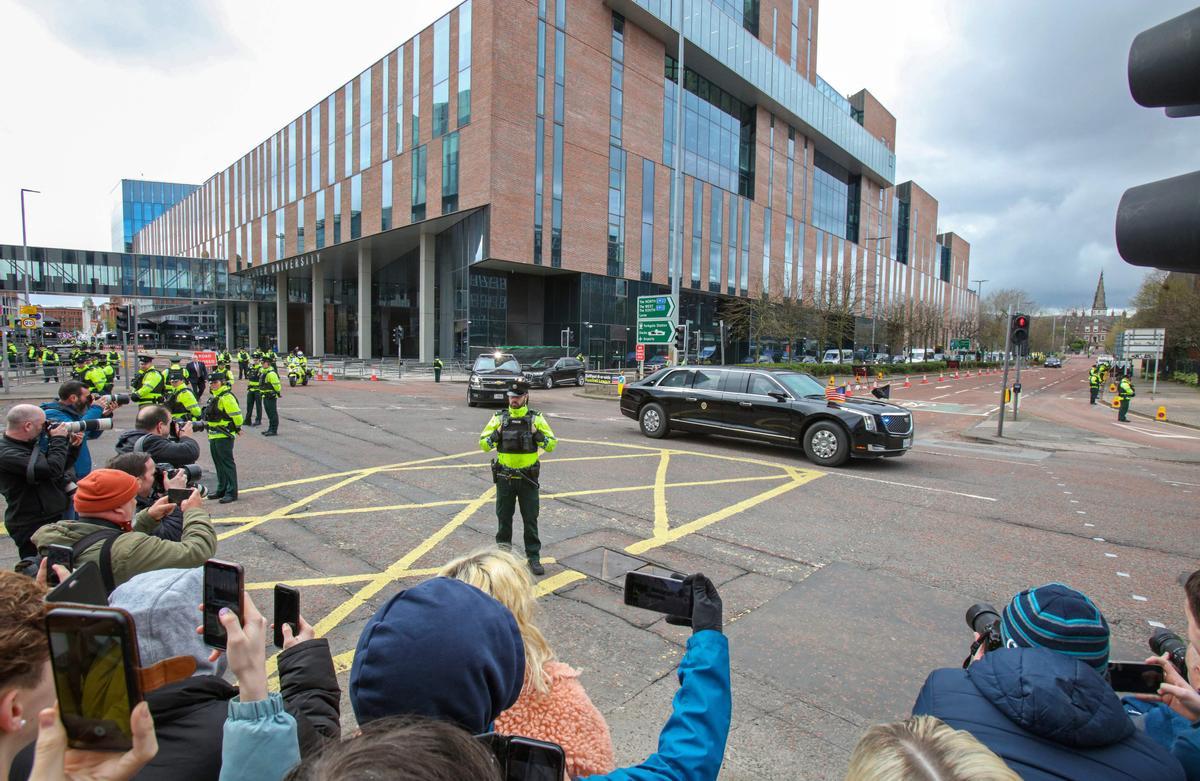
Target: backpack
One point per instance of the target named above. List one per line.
(30, 565)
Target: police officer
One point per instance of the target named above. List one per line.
(114, 360)
(224, 361)
(12, 355)
(1126, 391)
(180, 399)
(223, 422)
(31, 353)
(253, 400)
(269, 389)
(1095, 380)
(95, 377)
(515, 433)
(151, 385)
(49, 365)
(243, 359)
(437, 369)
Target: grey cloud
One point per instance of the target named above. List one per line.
(1028, 135)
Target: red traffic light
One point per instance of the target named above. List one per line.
(1022, 322)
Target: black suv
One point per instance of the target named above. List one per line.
(491, 377)
(764, 405)
(548, 372)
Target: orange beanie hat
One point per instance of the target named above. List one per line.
(104, 489)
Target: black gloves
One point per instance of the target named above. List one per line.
(539, 437)
(494, 438)
(706, 605)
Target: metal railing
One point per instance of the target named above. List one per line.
(389, 368)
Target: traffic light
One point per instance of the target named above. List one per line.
(1019, 328)
(1156, 222)
(681, 339)
(122, 313)
(398, 332)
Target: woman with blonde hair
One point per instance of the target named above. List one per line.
(924, 748)
(553, 705)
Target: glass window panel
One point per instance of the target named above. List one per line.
(356, 206)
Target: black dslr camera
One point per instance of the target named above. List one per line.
(197, 425)
(165, 471)
(985, 620)
(120, 399)
(1164, 641)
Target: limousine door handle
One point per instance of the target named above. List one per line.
(690, 398)
(745, 404)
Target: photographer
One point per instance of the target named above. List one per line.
(1172, 717)
(120, 542)
(143, 469)
(1037, 696)
(75, 403)
(34, 484)
(152, 435)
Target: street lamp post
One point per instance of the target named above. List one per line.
(875, 291)
(978, 306)
(25, 243)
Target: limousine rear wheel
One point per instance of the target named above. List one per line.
(653, 419)
(826, 444)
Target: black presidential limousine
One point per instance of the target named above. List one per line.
(767, 405)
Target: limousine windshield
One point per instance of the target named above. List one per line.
(800, 384)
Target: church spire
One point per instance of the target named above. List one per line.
(1098, 303)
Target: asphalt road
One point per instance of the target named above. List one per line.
(842, 588)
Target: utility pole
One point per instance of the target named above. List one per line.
(676, 238)
(1004, 382)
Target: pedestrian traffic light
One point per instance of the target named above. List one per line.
(681, 339)
(398, 332)
(122, 313)
(1156, 222)
(1019, 328)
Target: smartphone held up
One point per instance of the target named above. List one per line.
(661, 594)
(224, 587)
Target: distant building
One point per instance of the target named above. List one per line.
(1094, 325)
(69, 318)
(137, 202)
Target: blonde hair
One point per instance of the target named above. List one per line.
(924, 748)
(505, 577)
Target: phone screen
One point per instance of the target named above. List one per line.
(287, 611)
(533, 760)
(1135, 677)
(63, 555)
(657, 593)
(177, 495)
(222, 588)
(94, 657)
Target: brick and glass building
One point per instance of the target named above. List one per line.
(507, 174)
(137, 203)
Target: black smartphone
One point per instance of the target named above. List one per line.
(94, 656)
(1135, 677)
(177, 495)
(287, 611)
(658, 593)
(63, 555)
(224, 585)
(84, 586)
(526, 759)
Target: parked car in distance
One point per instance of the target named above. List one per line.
(1053, 362)
(836, 356)
(548, 372)
(806, 359)
(882, 358)
(767, 405)
(656, 361)
(492, 375)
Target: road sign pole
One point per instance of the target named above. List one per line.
(125, 357)
(4, 357)
(1154, 390)
(1004, 385)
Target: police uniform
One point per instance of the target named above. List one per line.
(150, 385)
(95, 378)
(49, 365)
(1126, 391)
(223, 422)
(114, 360)
(269, 389)
(1095, 380)
(253, 400)
(243, 359)
(516, 434)
(437, 369)
(180, 399)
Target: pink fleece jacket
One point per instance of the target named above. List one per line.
(566, 716)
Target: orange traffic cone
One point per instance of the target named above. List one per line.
(374, 376)
(941, 376)
(956, 374)
(907, 384)
(925, 379)
(329, 377)
(849, 391)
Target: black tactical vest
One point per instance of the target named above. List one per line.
(516, 434)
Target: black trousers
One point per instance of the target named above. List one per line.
(222, 455)
(509, 493)
(1095, 394)
(253, 404)
(268, 403)
(242, 366)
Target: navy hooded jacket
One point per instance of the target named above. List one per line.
(1048, 716)
(442, 649)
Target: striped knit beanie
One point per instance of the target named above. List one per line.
(1059, 618)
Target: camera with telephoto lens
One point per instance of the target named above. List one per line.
(164, 471)
(197, 425)
(76, 426)
(120, 399)
(1164, 641)
(984, 620)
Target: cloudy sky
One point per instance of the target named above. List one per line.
(1015, 114)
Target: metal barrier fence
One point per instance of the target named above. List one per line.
(346, 367)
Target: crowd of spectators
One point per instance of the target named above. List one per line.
(445, 666)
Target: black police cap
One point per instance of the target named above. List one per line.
(518, 388)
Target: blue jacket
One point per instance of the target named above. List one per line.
(260, 741)
(1050, 717)
(1171, 731)
(692, 744)
(58, 413)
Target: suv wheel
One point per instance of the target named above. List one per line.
(826, 444)
(548, 382)
(470, 401)
(653, 420)
(580, 379)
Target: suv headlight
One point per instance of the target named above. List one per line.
(476, 382)
(868, 419)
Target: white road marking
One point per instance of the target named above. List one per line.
(1139, 598)
(1092, 525)
(1122, 574)
(1098, 539)
(1074, 501)
(1111, 555)
(1081, 512)
(961, 391)
(942, 387)
(1062, 485)
(1179, 482)
(911, 485)
(1157, 624)
(1159, 434)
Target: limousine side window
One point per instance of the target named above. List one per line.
(761, 385)
(676, 379)
(707, 380)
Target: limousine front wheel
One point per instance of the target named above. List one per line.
(653, 419)
(826, 444)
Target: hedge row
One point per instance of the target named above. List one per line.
(1187, 378)
(836, 369)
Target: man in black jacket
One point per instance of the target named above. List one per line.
(152, 435)
(34, 484)
(189, 714)
(197, 376)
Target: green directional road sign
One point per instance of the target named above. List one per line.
(655, 307)
(960, 344)
(655, 331)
